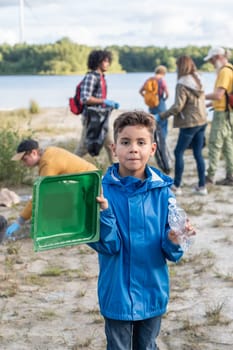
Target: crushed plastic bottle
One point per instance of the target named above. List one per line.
(177, 220)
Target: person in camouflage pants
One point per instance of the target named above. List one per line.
(221, 133)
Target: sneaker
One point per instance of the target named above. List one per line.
(228, 181)
(176, 190)
(200, 190)
(209, 180)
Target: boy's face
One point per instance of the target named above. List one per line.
(133, 150)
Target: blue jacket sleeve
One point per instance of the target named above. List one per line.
(173, 252)
(110, 242)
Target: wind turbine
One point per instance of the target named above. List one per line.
(21, 21)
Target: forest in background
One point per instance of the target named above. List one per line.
(65, 57)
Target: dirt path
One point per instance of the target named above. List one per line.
(48, 299)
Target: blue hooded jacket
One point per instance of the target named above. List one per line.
(134, 246)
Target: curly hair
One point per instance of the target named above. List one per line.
(96, 57)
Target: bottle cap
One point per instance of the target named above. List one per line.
(172, 201)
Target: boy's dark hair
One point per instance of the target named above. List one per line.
(96, 57)
(134, 118)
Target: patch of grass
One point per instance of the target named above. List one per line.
(7, 291)
(12, 249)
(203, 267)
(81, 293)
(225, 277)
(34, 279)
(52, 272)
(9, 262)
(78, 273)
(172, 271)
(69, 145)
(98, 320)
(13, 117)
(77, 310)
(213, 313)
(220, 222)
(84, 249)
(34, 107)
(82, 344)
(94, 311)
(50, 131)
(189, 326)
(195, 209)
(197, 258)
(11, 172)
(181, 284)
(55, 271)
(224, 240)
(47, 315)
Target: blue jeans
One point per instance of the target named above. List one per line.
(163, 123)
(195, 137)
(132, 335)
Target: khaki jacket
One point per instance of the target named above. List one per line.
(189, 107)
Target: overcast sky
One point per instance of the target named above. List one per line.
(172, 23)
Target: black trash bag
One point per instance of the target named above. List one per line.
(3, 226)
(97, 128)
(162, 154)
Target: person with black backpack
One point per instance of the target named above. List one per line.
(96, 106)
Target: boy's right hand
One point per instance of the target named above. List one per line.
(102, 201)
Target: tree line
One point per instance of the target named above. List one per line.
(66, 57)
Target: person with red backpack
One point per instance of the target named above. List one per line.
(221, 132)
(93, 93)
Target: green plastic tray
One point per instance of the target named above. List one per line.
(65, 211)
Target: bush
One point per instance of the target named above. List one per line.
(11, 172)
(34, 107)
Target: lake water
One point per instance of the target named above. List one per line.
(54, 91)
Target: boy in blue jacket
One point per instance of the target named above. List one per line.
(135, 239)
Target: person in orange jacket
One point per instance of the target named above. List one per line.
(51, 161)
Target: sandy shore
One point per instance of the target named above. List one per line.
(48, 299)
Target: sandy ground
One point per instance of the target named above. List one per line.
(48, 299)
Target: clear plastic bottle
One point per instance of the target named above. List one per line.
(177, 220)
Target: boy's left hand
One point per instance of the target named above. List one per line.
(188, 231)
(173, 237)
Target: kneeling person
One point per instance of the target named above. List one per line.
(51, 161)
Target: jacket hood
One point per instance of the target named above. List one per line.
(154, 178)
(189, 82)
